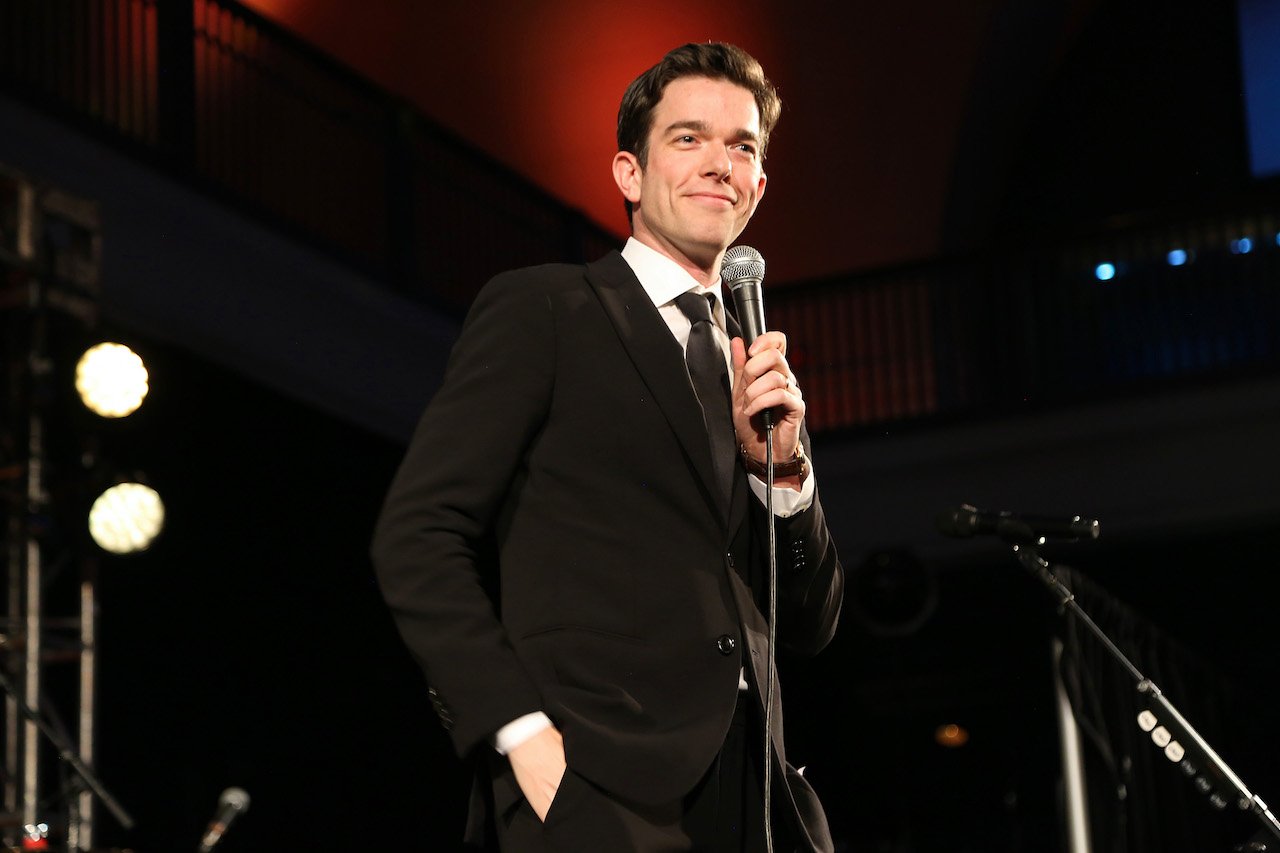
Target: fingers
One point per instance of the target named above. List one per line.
(761, 358)
(768, 340)
(762, 377)
(539, 767)
(786, 397)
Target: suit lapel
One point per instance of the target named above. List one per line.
(657, 358)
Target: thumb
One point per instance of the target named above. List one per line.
(738, 353)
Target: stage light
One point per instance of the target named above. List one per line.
(1105, 272)
(126, 518)
(951, 735)
(1243, 246)
(111, 379)
(1178, 257)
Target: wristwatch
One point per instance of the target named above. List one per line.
(798, 464)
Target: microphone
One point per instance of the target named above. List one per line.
(1016, 529)
(742, 271)
(233, 803)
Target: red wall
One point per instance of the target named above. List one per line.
(860, 165)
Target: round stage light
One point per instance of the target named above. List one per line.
(951, 735)
(111, 380)
(126, 518)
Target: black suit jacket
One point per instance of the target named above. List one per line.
(552, 540)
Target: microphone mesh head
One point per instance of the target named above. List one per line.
(741, 263)
(236, 798)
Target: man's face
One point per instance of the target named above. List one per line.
(704, 175)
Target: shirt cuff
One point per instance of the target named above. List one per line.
(786, 501)
(519, 730)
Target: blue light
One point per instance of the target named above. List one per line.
(1243, 246)
(1105, 272)
(1178, 257)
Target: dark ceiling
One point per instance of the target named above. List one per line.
(884, 104)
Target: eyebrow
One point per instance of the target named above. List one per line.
(703, 127)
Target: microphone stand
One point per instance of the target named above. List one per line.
(1169, 730)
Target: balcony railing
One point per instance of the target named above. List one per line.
(252, 115)
(1189, 296)
(227, 99)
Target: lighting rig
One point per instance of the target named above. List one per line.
(50, 459)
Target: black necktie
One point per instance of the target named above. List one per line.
(710, 378)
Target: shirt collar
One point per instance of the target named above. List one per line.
(662, 278)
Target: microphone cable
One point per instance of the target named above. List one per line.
(773, 614)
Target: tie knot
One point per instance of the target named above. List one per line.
(696, 307)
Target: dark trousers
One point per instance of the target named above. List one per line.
(724, 813)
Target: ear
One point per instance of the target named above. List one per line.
(627, 174)
(764, 179)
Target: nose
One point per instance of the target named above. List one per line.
(718, 163)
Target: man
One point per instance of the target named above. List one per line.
(612, 689)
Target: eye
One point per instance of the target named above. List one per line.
(746, 148)
(687, 139)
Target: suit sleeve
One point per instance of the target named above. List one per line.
(430, 543)
(810, 578)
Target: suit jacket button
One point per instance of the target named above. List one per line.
(726, 644)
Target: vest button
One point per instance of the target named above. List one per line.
(726, 644)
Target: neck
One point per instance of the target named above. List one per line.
(704, 269)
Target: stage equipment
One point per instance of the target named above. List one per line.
(969, 521)
(50, 262)
(126, 518)
(1170, 732)
(233, 803)
(111, 380)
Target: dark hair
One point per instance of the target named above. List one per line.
(715, 60)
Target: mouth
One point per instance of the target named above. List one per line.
(717, 199)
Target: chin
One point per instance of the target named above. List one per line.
(711, 248)
(715, 240)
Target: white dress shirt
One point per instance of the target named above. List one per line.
(663, 280)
